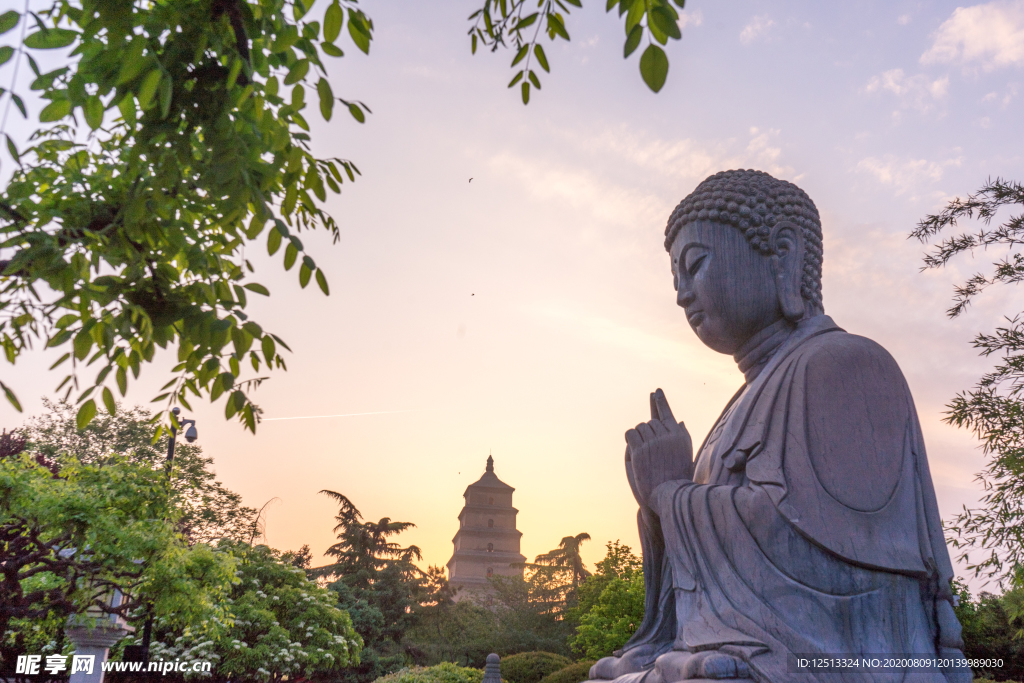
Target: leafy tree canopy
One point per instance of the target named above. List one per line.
(611, 604)
(376, 582)
(206, 510)
(71, 534)
(283, 624)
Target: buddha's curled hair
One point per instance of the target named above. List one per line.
(753, 202)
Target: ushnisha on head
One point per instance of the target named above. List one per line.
(746, 252)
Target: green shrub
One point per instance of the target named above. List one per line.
(530, 667)
(445, 672)
(574, 673)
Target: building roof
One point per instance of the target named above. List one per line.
(490, 479)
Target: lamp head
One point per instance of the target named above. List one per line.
(191, 434)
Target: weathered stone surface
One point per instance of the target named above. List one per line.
(807, 522)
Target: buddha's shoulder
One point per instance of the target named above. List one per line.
(838, 353)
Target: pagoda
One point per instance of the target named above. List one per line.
(487, 543)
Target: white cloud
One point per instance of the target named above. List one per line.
(755, 28)
(905, 175)
(903, 19)
(991, 33)
(919, 92)
(695, 18)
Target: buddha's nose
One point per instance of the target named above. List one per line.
(685, 296)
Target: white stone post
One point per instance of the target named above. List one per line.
(94, 638)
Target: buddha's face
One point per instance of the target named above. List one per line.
(726, 287)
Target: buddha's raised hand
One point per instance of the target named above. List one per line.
(657, 451)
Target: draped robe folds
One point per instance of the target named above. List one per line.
(810, 527)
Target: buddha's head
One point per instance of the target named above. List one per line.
(746, 253)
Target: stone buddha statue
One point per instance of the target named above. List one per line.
(806, 524)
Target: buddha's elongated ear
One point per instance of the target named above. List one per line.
(787, 243)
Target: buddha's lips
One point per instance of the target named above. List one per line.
(695, 318)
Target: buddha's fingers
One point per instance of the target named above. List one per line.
(660, 409)
(633, 441)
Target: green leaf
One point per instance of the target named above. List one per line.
(8, 20)
(304, 273)
(127, 108)
(525, 21)
(12, 149)
(51, 38)
(636, 12)
(332, 50)
(6, 52)
(322, 281)
(333, 19)
(681, 3)
(166, 91)
(518, 77)
(122, 380)
(268, 348)
(55, 111)
(148, 88)
(666, 22)
(323, 88)
(290, 253)
(556, 27)
(93, 112)
(273, 241)
(82, 345)
(108, 401)
(86, 413)
(654, 67)
(632, 40)
(12, 399)
(356, 112)
(526, 92)
(20, 105)
(258, 288)
(60, 360)
(359, 32)
(523, 51)
(297, 72)
(542, 59)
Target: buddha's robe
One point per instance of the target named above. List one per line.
(810, 526)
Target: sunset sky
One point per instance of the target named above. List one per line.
(529, 313)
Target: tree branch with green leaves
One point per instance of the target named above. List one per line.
(994, 409)
(511, 24)
(173, 138)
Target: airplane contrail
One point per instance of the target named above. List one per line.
(316, 417)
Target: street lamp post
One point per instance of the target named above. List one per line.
(137, 653)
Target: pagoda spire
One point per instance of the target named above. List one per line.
(490, 463)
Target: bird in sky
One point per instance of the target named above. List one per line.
(471, 179)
